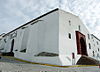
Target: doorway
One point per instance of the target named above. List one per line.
(81, 43)
(83, 46)
(12, 45)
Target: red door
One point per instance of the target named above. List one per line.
(81, 43)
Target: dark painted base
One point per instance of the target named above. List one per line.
(8, 54)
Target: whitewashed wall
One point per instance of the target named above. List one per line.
(50, 34)
(2, 45)
(68, 46)
(43, 37)
(95, 44)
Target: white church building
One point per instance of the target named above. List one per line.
(57, 38)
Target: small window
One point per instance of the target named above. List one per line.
(88, 36)
(89, 46)
(69, 35)
(97, 43)
(98, 49)
(93, 54)
(79, 27)
(69, 22)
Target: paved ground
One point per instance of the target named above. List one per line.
(11, 65)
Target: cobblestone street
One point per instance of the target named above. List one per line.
(10, 65)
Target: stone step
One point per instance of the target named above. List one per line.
(85, 60)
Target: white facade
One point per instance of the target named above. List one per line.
(51, 39)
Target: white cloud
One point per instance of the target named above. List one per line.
(17, 12)
(63, 4)
(98, 27)
(88, 11)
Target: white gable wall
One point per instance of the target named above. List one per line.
(68, 46)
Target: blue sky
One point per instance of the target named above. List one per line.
(14, 13)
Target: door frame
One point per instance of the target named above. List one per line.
(80, 49)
